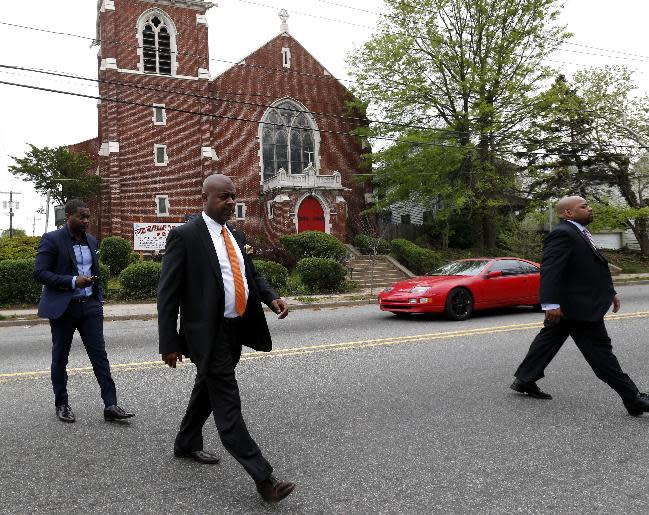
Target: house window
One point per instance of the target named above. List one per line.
(288, 139)
(160, 155)
(157, 44)
(162, 205)
(286, 57)
(270, 209)
(240, 211)
(159, 114)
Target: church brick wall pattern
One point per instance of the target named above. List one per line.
(127, 134)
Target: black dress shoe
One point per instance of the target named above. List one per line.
(114, 412)
(638, 406)
(64, 412)
(530, 389)
(200, 456)
(274, 490)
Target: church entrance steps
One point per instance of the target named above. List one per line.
(375, 271)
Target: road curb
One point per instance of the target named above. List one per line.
(293, 307)
(28, 322)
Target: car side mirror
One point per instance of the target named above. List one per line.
(491, 275)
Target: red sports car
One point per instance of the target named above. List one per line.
(461, 287)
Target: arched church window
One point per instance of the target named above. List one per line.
(288, 139)
(158, 44)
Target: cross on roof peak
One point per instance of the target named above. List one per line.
(284, 16)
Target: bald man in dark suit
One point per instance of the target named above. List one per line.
(576, 292)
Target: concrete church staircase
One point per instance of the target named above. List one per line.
(374, 272)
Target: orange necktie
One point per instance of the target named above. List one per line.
(239, 288)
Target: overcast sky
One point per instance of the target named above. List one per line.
(236, 27)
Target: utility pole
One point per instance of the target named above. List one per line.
(47, 211)
(11, 209)
(34, 224)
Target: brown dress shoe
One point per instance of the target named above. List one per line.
(274, 490)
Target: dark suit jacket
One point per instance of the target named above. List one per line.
(191, 283)
(55, 267)
(575, 275)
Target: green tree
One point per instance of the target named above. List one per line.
(565, 152)
(468, 68)
(622, 127)
(59, 172)
(16, 232)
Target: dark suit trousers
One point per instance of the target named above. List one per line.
(216, 391)
(593, 342)
(88, 319)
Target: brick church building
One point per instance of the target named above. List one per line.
(276, 122)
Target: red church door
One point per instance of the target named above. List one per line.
(310, 216)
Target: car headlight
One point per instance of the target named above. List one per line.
(419, 289)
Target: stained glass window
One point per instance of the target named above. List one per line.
(288, 139)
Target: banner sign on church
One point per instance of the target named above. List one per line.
(151, 236)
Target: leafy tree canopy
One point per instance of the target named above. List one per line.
(16, 233)
(58, 171)
(459, 77)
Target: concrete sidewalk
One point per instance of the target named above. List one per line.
(145, 311)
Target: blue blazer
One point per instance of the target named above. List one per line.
(55, 267)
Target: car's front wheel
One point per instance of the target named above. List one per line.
(459, 304)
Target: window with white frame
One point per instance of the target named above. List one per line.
(286, 57)
(157, 36)
(162, 205)
(159, 114)
(288, 139)
(160, 155)
(240, 211)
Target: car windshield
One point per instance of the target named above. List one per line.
(472, 267)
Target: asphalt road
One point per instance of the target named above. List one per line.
(367, 413)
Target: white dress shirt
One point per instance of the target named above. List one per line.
(224, 262)
(546, 307)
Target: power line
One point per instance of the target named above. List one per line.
(636, 57)
(224, 100)
(111, 42)
(207, 115)
(284, 70)
(206, 97)
(581, 45)
(257, 122)
(258, 4)
(544, 141)
(257, 66)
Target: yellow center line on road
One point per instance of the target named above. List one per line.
(329, 347)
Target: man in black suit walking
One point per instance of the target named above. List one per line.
(72, 298)
(208, 278)
(576, 292)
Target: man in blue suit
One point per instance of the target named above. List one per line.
(72, 298)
